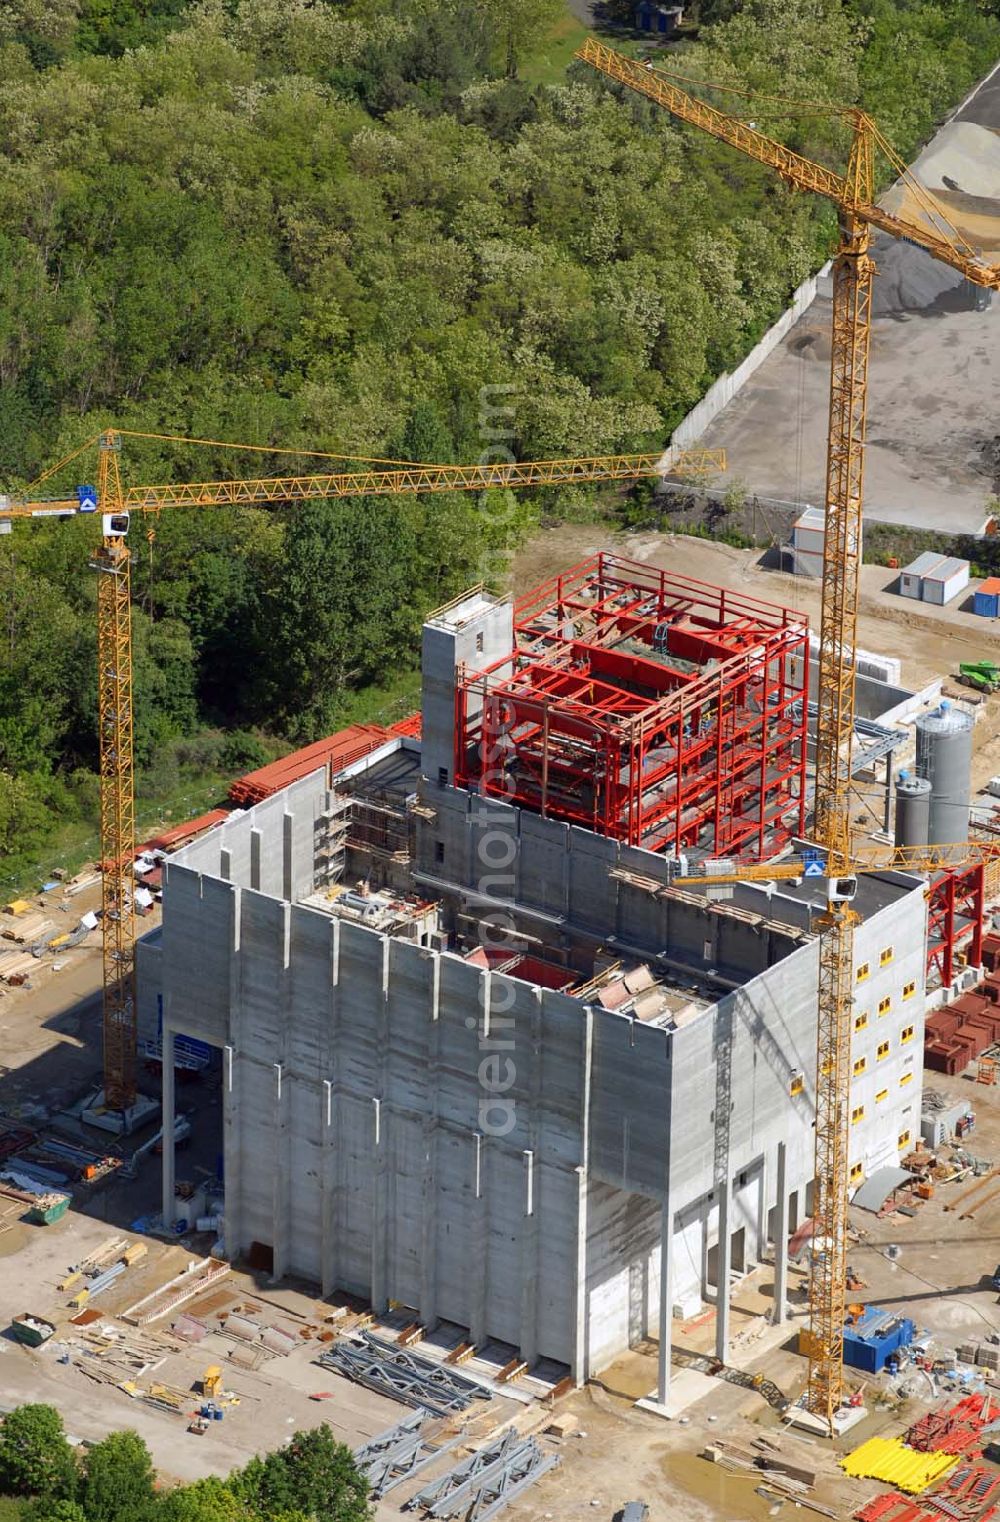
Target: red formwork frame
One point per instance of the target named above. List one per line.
(703, 744)
(956, 908)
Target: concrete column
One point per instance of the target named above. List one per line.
(779, 1312)
(724, 1263)
(429, 1200)
(532, 1238)
(479, 1257)
(581, 1341)
(255, 854)
(327, 1131)
(580, 1368)
(379, 1293)
(231, 1097)
(287, 862)
(382, 1223)
(331, 1224)
(169, 1211)
(529, 1260)
(666, 1302)
(230, 1151)
(280, 1176)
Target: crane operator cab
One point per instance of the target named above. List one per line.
(841, 890)
(114, 525)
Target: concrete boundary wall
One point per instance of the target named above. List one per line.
(729, 384)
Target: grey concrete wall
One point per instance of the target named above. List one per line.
(559, 877)
(149, 982)
(721, 393)
(363, 1143)
(270, 847)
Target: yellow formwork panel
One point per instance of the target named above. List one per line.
(889, 1459)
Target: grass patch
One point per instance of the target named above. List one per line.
(12, 1509)
(549, 63)
(386, 704)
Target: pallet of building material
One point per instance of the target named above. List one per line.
(166, 1398)
(177, 1291)
(24, 931)
(17, 969)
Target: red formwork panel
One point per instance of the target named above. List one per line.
(942, 1023)
(334, 753)
(975, 1037)
(991, 951)
(646, 706)
(947, 1058)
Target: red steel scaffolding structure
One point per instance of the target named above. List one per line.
(956, 909)
(658, 710)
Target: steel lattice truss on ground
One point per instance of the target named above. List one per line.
(399, 1453)
(482, 1485)
(658, 710)
(406, 1376)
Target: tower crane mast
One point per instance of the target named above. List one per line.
(853, 194)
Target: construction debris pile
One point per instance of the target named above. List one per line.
(941, 1447)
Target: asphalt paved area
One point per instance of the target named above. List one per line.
(932, 420)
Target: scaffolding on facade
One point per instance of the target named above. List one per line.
(658, 710)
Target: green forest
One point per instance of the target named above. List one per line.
(373, 228)
(313, 1478)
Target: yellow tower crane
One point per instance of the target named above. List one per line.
(853, 194)
(115, 503)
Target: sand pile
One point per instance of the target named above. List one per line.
(961, 167)
(963, 157)
(908, 280)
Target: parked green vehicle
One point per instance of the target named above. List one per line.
(984, 676)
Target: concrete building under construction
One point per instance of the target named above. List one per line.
(480, 1056)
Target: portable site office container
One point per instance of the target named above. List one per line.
(934, 578)
(944, 583)
(911, 580)
(986, 598)
(808, 537)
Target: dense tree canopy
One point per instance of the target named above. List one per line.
(312, 1479)
(351, 226)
